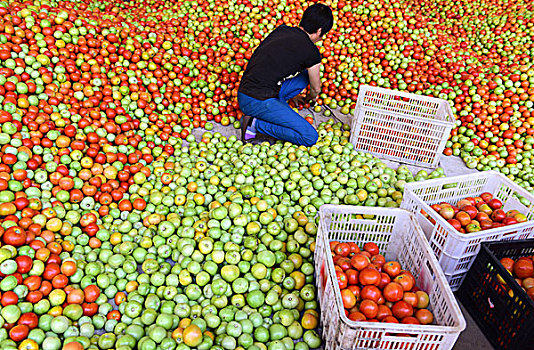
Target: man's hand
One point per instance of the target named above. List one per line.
(311, 99)
(301, 100)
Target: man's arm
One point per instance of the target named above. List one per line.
(314, 73)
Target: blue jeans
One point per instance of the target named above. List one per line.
(275, 118)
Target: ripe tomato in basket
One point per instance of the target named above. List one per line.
(333, 245)
(370, 276)
(342, 279)
(352, 276)
(393, 292)
(384, 280)
(348, 298)
(378, 260)
(369, 308)
(371, 293)
(371, 247)
(342, 249)
(392, 268)
(354, 248)
(344, 263)
(360, 261)
(356, 290)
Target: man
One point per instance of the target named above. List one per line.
(280, 68)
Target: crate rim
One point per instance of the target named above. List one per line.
(479, 174)
(448, 124)
(401, 328)
(365, 87)
(518, 291)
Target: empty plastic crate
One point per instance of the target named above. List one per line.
(400, 126)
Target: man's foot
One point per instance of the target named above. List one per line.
(261, 139)
(246, 133)
(249, 135)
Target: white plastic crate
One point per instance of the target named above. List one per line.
(399, 237)
(457, 251)
(400, 126)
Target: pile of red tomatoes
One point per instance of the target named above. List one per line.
(474, 214)
(522, 270)
(373, 290)
(154, 70)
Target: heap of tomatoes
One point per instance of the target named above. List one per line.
(474, 214)
(376, 290)
(522, 269)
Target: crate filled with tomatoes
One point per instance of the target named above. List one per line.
(458, 213)
(379, 284)
(498, 292)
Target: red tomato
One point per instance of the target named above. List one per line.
(508, 264)
(92, 292)
(390, 319)
(354, 248)
(383, 312)
(410, 298)
(341, 280)
(29, 319)
(342, 249)
(34, 297)
(523, 268)
(424, 316)
(352, 276)
(14, 236)
(333, 245)
(371, 293)
(359, 261)
(406, 281)
(348, 298)
(369, 276)
(384, 280)
(369, 308)
(32, 282)
(372, 248)
(51, 270)
(19, 332)
(357, 317)
(24, 263)
(90, 309)
(392, 268)
(9, 298)
(343, 262)
(355, 290)
(393, 292)
(378, 260)
(402, 309)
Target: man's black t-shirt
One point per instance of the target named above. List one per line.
(285, 53)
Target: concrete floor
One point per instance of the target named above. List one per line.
(470, 339)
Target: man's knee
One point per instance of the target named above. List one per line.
(309, 137)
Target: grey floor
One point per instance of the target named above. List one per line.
(470, 339)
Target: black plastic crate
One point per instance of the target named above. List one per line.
(506, 320)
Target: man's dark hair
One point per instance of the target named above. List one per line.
(317, 16)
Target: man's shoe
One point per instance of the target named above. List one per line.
(246, 121)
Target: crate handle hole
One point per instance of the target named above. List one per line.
(491, 305)
(394, 337)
